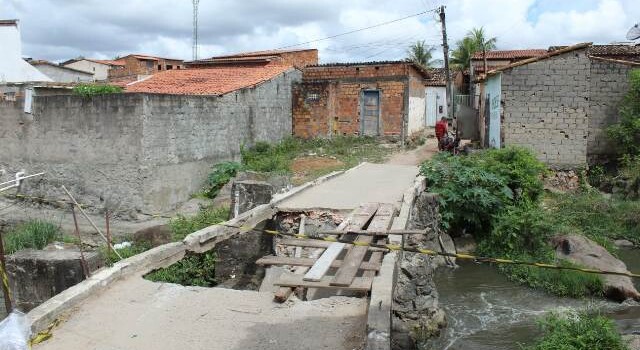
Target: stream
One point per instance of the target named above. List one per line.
(487, 311)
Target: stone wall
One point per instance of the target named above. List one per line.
(146, 152)
(545, 107)
(609, 84)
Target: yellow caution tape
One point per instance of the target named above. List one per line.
(45, 334)
(5, 280)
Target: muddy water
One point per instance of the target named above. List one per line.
(487, 311)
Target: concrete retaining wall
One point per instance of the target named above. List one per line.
(146, 152)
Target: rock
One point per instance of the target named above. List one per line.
(633, 341)
(623, 243)
(154, 235)
(193, 206)
(583, 251)
(248, 194)
(465, 244)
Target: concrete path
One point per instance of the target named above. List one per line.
(138, 314)
(381, 183)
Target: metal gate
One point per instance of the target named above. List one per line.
(431, 108)
(370, 121)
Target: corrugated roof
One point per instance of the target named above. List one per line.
(214, 80)
(510, 54)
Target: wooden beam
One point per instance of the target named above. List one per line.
(359, 283)
(284, 260)
(374, 232)
(323, 264)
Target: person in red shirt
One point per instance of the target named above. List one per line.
(441, 131)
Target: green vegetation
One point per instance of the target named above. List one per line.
(127, 252)
(474, 41)
(578, 331)
(421, 53)
(496, 195)
(625, 135)
(183, 226)
(221, 174)
(88, 90)
(192, 270)
(33, 234)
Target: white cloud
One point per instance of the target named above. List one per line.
(59, 29)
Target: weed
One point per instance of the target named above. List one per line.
(127, 252)
(221, 174)
(88, 90)
(33, 234)
(192, 270)
(183, 226)
(578, 331)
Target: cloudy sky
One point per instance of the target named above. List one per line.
(62, 29)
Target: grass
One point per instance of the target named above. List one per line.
(578, 331)
(183, 225)
(33, 234)
(193, 270)
(135, 249)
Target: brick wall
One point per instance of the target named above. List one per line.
(134, 67)
(609, 84)
(327, 102)
(300, 59)
(545, 107)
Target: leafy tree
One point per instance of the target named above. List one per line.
(421, 53)
(475, 41)
(626, 134)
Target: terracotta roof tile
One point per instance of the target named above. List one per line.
(438, 77)
(261, 53)
(510, 54)
(216, 80)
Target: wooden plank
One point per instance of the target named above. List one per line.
(359, 283)
(312, 243)
(284, 260)
(360, 216)
(374, 232)
(352, 261)
(323, 264)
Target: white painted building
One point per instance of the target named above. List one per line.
(99, 68)
(436, 97)
(62, 74)
(13, 69)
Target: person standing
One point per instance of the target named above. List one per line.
(442, 127)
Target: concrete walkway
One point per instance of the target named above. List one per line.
(381, 183)
(139, 314)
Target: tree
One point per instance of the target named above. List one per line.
(474, 41)
(625, 135)
(421, 53)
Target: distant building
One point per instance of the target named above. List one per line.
(12, 67)
(99, 68)
(436, 96)
(369, 99)
(500, 58)
(297, 58)
(141, 66)
(61, 74)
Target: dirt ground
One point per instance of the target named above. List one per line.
(304, 168)
(415, 156)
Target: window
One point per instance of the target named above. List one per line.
(169, 66)
(150, 64)
(312, 97)
(159, 67)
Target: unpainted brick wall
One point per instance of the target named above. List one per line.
(545, 107)
(609, 84)
(327, 102)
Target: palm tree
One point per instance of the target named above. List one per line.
(421, 53)
(474, 41)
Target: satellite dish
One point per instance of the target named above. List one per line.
(634, 32)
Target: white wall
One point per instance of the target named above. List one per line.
(13, 68)
(416, 114)
(100, 71)
(63, 75)
(438, 99)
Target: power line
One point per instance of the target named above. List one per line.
(357, 30)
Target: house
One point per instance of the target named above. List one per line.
(61, 74)
(499, 58)
(296, 58)
(99, 68)
(436, 96)
(12, 67)
(368, 98)
(558, 104)
(162, 135)
(140, 66)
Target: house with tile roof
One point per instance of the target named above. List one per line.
(436, 96)
(299, 58)
(136, 66)
(558, 104)
(99, 68)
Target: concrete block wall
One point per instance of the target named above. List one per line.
(417, 103)
(146, 152)
(546, 106)
(609, 84)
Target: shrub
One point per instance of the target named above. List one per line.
(183, 226)
(88, 90)
(192, 270)
(33, 234)
(578, 331)
(625, 135)
(135, 249)
(222, 173)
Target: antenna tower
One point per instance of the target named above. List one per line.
(195, 29)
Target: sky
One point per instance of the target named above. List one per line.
(58, 30)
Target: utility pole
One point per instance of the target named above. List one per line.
(445, 49)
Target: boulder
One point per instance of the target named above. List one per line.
(585, 252)
(154, 235)
(465, 244)
(623, 243)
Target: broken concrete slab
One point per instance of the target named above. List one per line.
(248, 194)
